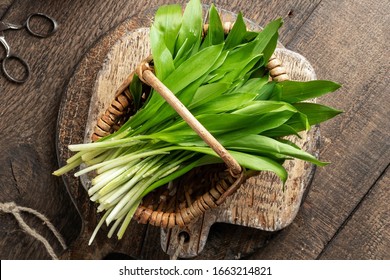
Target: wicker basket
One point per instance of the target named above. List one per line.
(183, 201)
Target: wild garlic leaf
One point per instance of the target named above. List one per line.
(193, 68)
(267, 91)
(315, 113)
(237, 34)
(265, 122)
(280, 131)
(295, 91)
(265, 106)
(260, 163)
(162, 57)
(182, 54)
(191, 28)
(187, 73)
(249, 161)
(136, 91)
(224, 83)
(238, 74)
(267, 39)
(215, 34)
(252, 85)
(242, 56)
(239, 57)
(167, 20)
(224, 103)
(258, 144)
(207, 92)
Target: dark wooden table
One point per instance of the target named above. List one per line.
(346, 212)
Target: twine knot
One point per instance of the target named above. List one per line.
(14, 209)
(8, 207)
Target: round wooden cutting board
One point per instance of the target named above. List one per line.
(260, 203)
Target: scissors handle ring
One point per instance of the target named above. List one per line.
(8, 75)
(37, 33)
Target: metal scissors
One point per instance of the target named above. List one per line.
(4, 26)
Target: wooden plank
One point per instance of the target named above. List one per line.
(28, 115)
(294, 13)
(239, 242)
(152, 247)
(356, 142)
(78, 95)
(25, 181)
(28, 112)
(4, 6)
(80, 24)
(365, 235)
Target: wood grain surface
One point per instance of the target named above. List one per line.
(346, 41)
(357, 144)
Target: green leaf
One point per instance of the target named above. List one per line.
(191, 28)
(238, 74)
(242, 55)
(182, 77)
(250, 36)
(266, 106)
(270, 49)
(239, 57)
(193, 68)
(295, 91)
(262, 145)
(220, 61)
(221, 126)
(280, 131)
(253, 85)
(257, 163)
(162, 57)
(215, 34)
(207, 92)
(237, 34)
(206, 159)
(267, 39)
(315, 113)
(224, 103)
(168, 21)
(267, 91)
(136, 91)
(263, 123)
(182, 54)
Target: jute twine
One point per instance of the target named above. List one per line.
(15, 210)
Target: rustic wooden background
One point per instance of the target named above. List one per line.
(345, 214)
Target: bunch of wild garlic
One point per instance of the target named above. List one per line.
(222, 80)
